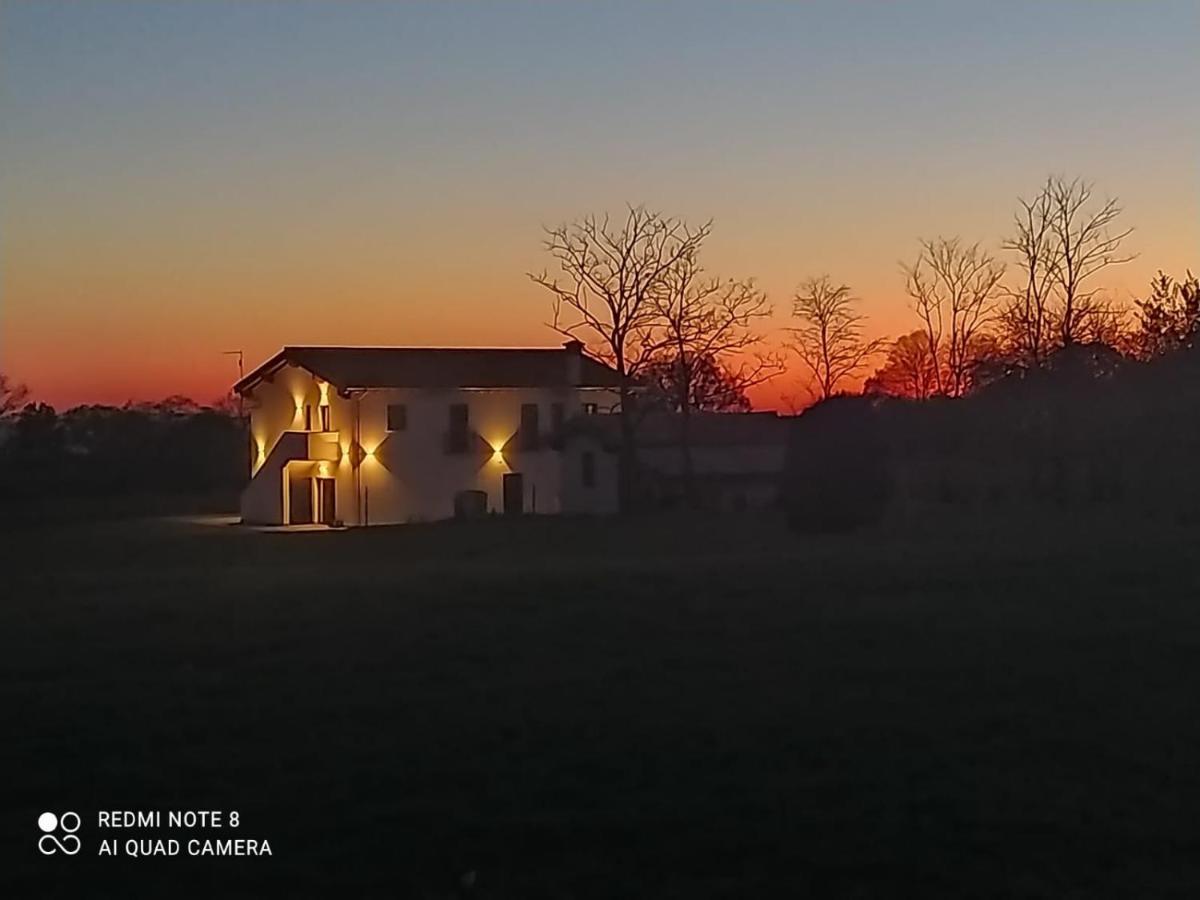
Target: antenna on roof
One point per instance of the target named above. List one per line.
(241, 361)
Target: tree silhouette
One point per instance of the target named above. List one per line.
(12, 396)
(708, 387)
(1084, 243)
(829, 340)
(1026, 322)
(954, 288)
(1061, 239)
(908, 371)
(836, 471)
(612, 280)
(1168, 319)
(704, 344)
(179, 448)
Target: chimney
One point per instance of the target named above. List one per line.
(574, 353)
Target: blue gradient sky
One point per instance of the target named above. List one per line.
(180, 178)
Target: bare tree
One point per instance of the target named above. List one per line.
(612, 278)
(1084, 242)
(12, 396)
(954, 288)
(1061, 240)
(707, 324)
(1025, 321)
(830, 341)
(1106, 320)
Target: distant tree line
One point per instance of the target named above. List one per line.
(977, 315)
(636, 291)
(172, 447)
(683, 340)
(1091, 428)
(1042, 389)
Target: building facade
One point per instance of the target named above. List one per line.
(384, 435)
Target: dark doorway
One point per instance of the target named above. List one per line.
(326, 501)
(514, 494)
(300, 510)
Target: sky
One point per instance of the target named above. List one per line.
(181, 179)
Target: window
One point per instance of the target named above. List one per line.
(397, 417)
(325, 418)
(590, 409)
(459, 428)
(556, 417)
(528, 435)
(588, 472)
(308, 417)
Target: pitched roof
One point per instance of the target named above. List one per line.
(425, 367)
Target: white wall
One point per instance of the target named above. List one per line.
(408, 475)
(412, 477)
(602, 497)
(277, 408)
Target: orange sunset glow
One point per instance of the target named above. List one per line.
(180, 182)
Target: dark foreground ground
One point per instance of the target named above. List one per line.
(575, 709)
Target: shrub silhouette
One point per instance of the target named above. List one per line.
(836, 474)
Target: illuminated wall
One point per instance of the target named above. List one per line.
(405, 475)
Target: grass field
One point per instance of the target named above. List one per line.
(585, 709)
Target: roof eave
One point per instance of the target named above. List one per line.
(247, 383)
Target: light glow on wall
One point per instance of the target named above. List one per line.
(498, 451)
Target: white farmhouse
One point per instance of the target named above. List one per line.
(372, 435)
